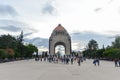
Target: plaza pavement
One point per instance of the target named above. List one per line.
(32, 70)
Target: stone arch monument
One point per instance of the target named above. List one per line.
(60, 36)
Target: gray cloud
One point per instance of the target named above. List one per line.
(15, 26)
(11, 28)
(110, 1)
(85, 37)
(8, 10)
(114, 32)
(98, 9)
(48, 8)
(28, 34)
(118, 10)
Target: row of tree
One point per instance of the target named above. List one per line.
(110, 52)
(14, 48)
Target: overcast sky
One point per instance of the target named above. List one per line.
(38, 18)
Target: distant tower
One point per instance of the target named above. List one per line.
(60, 36)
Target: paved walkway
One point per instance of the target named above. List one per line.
(31, 70)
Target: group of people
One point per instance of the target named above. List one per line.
(117, 62)
(96, 62)
(66, 59)
(69, 59)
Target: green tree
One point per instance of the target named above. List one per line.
(112, 53)
(29, 50)
(7, 41)
(20, 45)
(92, 45)
(116, 43)
(2, 54)
(20, 50)
(91, 50)
(99, 53)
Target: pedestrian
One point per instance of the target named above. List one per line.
(119, 62)
(79, 61)
(67, 60)
(94, 62)
(71, 60)
(98, 62)
(115, 61)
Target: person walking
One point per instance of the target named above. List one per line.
(71, 60)
(115, 61)
(98, 62)
(94, 62)
(119, 62)
(79, 61)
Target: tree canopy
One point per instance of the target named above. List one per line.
(110, 52)
(92, 45)
(11, 47)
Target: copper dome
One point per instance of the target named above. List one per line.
(59, 28)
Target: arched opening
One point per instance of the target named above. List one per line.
(60, 48)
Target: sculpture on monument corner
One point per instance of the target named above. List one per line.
(60, 36)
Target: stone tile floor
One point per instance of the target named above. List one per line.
(32, 70)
